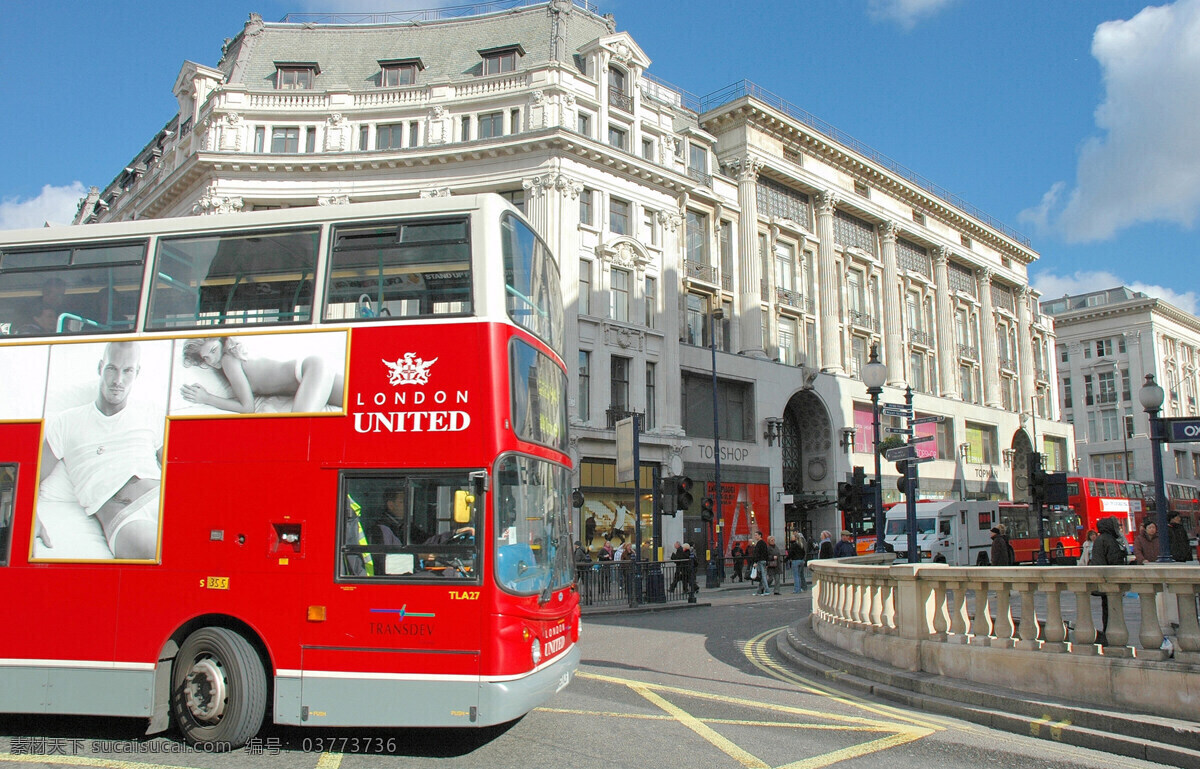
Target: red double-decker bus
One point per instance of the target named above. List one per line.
(1096, 498)
(309, 462)
(1061, 531)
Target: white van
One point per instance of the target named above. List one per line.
(960, 531)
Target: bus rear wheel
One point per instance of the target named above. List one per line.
(219, 689)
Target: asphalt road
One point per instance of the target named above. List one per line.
(698, 687)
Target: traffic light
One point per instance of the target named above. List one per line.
(683, 493)
(666, 496)
(867, 500)
(706, 509)
(577, 499)
(845, 500)
(1056, 489)
(1037, 479)
(902, 483)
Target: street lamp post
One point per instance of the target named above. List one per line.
(717, 314)
(1124, 432)
(874, 374)
(1151, 397)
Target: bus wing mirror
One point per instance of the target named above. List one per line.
(464, 501)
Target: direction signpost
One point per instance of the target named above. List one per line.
(1182, 430)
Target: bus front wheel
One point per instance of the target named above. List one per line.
(219, 689)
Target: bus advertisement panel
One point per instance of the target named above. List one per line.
(364, 519)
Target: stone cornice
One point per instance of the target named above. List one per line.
(778, 125)
(1149, 306)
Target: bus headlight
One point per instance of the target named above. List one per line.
(535, 651)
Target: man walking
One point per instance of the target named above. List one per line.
(761, 555)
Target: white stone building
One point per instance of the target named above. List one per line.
(1108, 341)
(661, 208)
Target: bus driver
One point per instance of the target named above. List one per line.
(113, 457)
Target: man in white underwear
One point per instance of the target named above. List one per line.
(113, 456)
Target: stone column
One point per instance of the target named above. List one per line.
(1025, 350)
(893, 347)
(672, 316)
(947, 346)
(749, 262)
(830, 282)
(987, 340)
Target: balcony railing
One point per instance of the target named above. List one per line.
(923, 338)
(1103, 399)
(612, 416)
(968, 351)
(727, 281)
(863, 320)
(701, 271)
(619, 99)
(1007, 364)
(788, 298)
(695, 174)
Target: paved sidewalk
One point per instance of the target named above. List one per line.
(1151, 738)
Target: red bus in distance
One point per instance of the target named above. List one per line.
(307, 462)
(1096, 498)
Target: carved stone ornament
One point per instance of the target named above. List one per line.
(827, 200)
(985, 276)
(435, 192)
(624, 253)
(538, 96)
(941, 256)
(552, 181)
(438, 112)
(233, 119)
(336, 120)
(889, 230)
(670, 221)
(817, 468)
(746, 168)
(212, 203)
(624, 338)
(333, 200)
(621, 52)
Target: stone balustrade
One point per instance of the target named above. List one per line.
(1030, 628)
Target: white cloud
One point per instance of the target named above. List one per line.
(1052, 286)
(56, 205)
(906, 13)
(1144, 167)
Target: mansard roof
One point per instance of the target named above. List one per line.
(349, 54)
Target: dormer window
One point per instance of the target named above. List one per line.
(295, 76)
(399, 72)
(499, 60)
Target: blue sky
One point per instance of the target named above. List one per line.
(1075, 121)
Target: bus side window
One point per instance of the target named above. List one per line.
(8, 493)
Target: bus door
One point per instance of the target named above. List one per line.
(400, 642)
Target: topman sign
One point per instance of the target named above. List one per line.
(1182, 430)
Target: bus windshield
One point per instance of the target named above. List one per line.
(531, 283)
(533, 551)
(900, 526)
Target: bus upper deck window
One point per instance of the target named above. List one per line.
(400, 269)
(72, 289)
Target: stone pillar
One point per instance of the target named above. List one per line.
(749, 261)
(830, 281)
(893, 348)
(1025, 350)
(947, 346)
(987, 340)
(672, 317)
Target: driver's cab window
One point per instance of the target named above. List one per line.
(409, 526)
(944, 527)
(8, 494)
